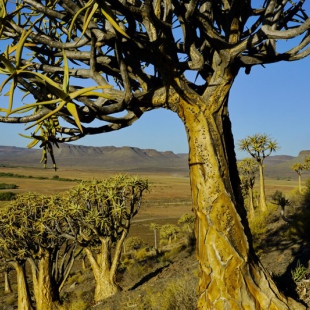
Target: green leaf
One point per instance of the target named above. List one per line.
(106, 11)
(87, 5)
(73, 111)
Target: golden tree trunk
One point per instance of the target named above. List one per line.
(263, 205)
(24, 302)
(7, 284)
(105, 285)
(299, 183)
(251, 203)
(46, 292)
(44, 289)
(231, 275)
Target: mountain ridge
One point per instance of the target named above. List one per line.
(128, 158)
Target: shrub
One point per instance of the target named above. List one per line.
(259, 225)
(8, 186)
(75, 305)
(295, 197)
(180, 294)
(134, 243)
(142, 254)
(300, 226)
(299, 272)
(7, 196)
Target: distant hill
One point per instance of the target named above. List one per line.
(130, 159)
(107, 157)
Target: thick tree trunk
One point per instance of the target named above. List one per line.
(251, 203)
(24, 301)
(231, 275)
(7, 284)
(45, 291)
(263, 205)
(105, 285)
(299, 183)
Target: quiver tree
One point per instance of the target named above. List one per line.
(169, 232)
(155, 227)
(188, 221)
(141, 55)
(29, 233)
(248, 169)
(5, 268)
(299, 169)
(259, 146)
(99, 213)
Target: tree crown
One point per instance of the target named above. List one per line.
(135, 56)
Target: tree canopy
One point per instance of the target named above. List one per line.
(135, 55)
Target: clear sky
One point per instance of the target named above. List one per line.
(274, 100)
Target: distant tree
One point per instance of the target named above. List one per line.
(155, 227)
(188, 222)
(248, 169)
(99, 213)
(85, 62)
(259, 146)
(279, 199)
(169, 231)
(134, 243)
(299, 168)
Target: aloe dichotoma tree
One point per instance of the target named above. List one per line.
(29, 233)
(248, 169)
(299, 169)
(99, 214)
(259, 146)
(138, 56)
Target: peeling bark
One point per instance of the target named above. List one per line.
(104, 274)
(231, 275)
(45, 292)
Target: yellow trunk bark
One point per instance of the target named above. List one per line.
(44, 291)
(231, 275)
(24, 302)
(251, 203)
(7, 284)
(105, 285)
(263, 205)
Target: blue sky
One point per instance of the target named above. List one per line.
(274, 100)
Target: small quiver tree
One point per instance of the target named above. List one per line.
(259, 146)
(30, 233)
(99, 213)
(155, 227)
(248, 169)
(169, 231)
(299, 169)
